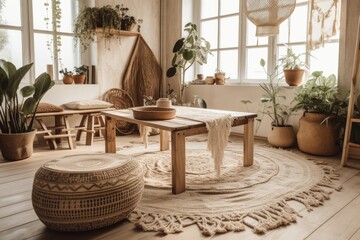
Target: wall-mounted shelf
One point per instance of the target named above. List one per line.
(117, 32)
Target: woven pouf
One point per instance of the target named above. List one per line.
(87, 191)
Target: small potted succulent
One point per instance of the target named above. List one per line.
(67, 76)
(80, 74)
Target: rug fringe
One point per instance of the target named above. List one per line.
(259, 220)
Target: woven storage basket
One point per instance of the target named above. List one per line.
(87, 191)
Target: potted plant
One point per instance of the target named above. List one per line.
(187, 51)
(282, 134)
(293, 67)
(91, 18)
(17, 115)
(67, 76)
(127, 22)
(318, 98)
(80, 74)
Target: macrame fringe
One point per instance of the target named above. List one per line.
(259, 220)
(218, 135)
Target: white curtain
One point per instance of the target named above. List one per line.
(324, 21)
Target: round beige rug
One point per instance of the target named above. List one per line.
(254, 196)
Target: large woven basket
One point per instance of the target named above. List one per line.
(87, 191)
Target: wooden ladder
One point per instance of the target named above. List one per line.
(350, 114)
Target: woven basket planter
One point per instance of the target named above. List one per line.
(86, 191)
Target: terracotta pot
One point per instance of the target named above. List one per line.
(17, 146)
(316, 138)
(294, 77)
(79, 79)
(67, 79)
(282, 136)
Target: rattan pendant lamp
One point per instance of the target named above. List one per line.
(268, 14)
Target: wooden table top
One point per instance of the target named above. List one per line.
(178, 123)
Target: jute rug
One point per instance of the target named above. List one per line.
(255, 197)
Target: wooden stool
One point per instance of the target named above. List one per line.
(90, 123)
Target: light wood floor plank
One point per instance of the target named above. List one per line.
(356, 236)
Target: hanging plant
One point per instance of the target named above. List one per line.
(89, 19)
(127, 22)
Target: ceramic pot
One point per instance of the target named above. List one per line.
(79, 79)
(67, 79)
(294, 77)
(163, 103)
(282, 136)
(17, 146)
(316, 138)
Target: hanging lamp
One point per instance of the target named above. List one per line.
(267, 15)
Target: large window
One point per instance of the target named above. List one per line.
(237, 51)
(39, 31)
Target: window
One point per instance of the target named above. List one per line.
(237, 51)
(39, 31)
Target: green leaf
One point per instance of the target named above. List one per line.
(262, 62)
(188, 55)
(171, 72)
(29, 106)
(178, 45)
(42, 84)
(27, 91)
(15, 79)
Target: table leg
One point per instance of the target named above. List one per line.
(82, 125)
(58, 123)
(110, 136)
(164, 140)
(90, 130)
(71, 140)
(178, 162)
(249, 143)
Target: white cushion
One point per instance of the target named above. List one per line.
(87, 104)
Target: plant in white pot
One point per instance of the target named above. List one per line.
(17, 115)
(187, 51)
(293, 66)
(318, 98)
(282, 134)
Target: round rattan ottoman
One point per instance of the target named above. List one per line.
(86, 191)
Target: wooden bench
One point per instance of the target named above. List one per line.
(91, 121)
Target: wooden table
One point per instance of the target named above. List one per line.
(179, 129)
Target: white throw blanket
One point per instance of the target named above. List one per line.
(218, 126)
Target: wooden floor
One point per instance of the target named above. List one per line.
(338, 219)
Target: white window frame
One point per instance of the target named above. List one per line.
(27, 33)
(272, 45)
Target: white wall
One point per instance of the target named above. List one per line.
(229, 97)
(113, 56)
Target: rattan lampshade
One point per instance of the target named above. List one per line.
(268, 14)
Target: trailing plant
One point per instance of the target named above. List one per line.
(187, 51)
(14, 112)
(91, 18)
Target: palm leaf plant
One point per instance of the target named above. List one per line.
(187, 51)
(14, 112)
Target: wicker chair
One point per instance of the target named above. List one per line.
(121, 100)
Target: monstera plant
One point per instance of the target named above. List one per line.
(17, 114)
(187, 51)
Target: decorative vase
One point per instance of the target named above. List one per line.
(282, 136)
(219, 78)
(294, 77)
(316, 138)
(163, 103)
(17, 146)
(67, 79)
(79, 79)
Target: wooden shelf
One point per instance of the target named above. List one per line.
(117, 32)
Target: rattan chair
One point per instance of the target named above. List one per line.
(121, 100)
